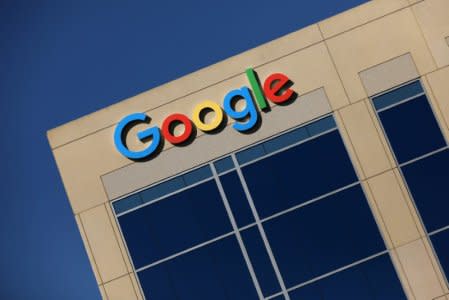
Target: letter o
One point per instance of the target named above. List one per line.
(177, 118)
(196, 117)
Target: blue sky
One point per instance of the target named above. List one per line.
(60, 60)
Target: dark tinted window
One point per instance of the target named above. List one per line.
(260, 261)
(397, 95)
(286, 139)
(197, 175)
(250, 154)
(321, 237)
(299, 174)
(374, 280)
(174, 224)
(441, 245)
(216, 271)
(224, 164)
(428, 180)
(127, 203)
(237, 198)
(321, 126)
(412, 129)
(162, 189)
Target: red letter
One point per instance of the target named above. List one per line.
(173, 120)
(275, 83)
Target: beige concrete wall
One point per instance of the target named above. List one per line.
(335, 66)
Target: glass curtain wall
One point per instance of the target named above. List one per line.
(283, 219)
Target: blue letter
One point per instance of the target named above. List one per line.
(249, 111)
(150, 132)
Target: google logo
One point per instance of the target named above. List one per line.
(276, 88)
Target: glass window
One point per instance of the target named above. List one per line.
(427, 180)
(127, 203)
(197, 175)
(162, 189)
(174, 224)
(237, 199)
(216, 271)
(397, 95)
(250, 154)
(412, 129)
(299, 174)
(321, 237)
(321, 125)
(224, 164)
(261, 261)
(441, 244)
(375, 279)
(286, 139)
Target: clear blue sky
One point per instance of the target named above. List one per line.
(60, 60)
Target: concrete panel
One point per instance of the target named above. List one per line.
(433, 18)
(93, 264)
(381, 224)
(393, 208)
(310, 69)
(103, 243)
(419, 270)
(439, 87)
(436, 107)
(375, 43)
(120, 289)
(208, 147)
(118, 237)
(436, 265)
(389, 74)
(365, 139)
(359, 15)
(379, 129)
(349, 147)
(442, 297)
(183, 86)
(410, 204)
(103, 293)
(401, 274)
(80, 165)
(136, 286)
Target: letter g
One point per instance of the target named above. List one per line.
(119, 139)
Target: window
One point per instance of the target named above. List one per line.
(423, 156)
(440, 242)
(300, 217)
(299, 174)
(412, 129)
(237, 199)
(215, 271)
(374, 279)
(261, 261)
(324, 236)
(427, 180)
(174, 224)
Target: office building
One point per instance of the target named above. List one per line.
(311, 167)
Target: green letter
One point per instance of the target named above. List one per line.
(258, 94)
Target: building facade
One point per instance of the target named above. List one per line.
(312, 167)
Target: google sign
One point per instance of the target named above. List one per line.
(276, 88)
